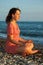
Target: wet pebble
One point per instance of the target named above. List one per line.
(41, 64)
(8, 59)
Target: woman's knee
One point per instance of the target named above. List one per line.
(32, 45)
(29, 45)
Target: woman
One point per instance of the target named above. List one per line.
(14, 43)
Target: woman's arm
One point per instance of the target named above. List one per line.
(25, 41)
(22, 40)
(13, 41)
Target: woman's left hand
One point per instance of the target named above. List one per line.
(29, 41)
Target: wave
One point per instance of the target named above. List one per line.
(3, 31)
(31, 33)
(32, 29)
(3, 35)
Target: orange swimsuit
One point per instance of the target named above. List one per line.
(12, 30)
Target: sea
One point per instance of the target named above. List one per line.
(30, 30)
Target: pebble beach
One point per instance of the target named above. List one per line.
(9, 59)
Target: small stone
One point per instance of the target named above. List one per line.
(29, 61)
(1, 54)
(33, 63)
(41, 64)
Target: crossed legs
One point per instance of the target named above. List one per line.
(27, 48)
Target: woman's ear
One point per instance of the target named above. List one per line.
(13, 15)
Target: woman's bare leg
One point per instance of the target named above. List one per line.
(30, 51)
(20, 49)
(28, 48)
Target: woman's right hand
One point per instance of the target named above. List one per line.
(21, 44)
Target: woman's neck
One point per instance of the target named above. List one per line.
(14, 21)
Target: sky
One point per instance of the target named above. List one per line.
(31, 10)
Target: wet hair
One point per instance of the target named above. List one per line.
(9, 16)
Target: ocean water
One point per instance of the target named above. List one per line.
(29, 30)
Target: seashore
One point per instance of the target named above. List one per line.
(9, 59)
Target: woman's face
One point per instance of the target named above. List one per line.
(16, 16)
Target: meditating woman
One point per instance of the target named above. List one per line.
(14, 43)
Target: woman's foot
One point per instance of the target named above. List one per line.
(32, 52)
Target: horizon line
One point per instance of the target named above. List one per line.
(26, 21)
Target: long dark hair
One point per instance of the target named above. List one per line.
(9, 16)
